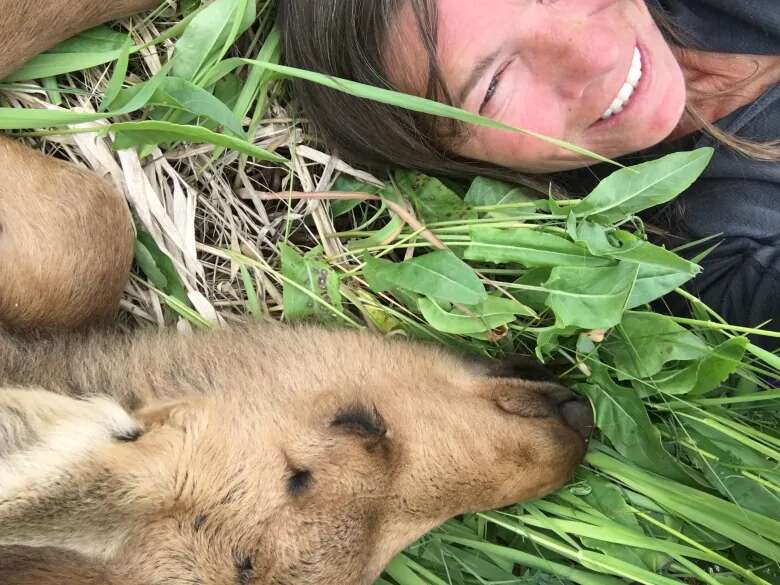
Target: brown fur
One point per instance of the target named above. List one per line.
(64, 232)
(253, 467)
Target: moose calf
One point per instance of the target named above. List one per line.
(263, 454)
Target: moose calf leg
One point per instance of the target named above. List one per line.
(66, 243)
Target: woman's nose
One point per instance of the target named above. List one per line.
(571, 47)
(571, 62)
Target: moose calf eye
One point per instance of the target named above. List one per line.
(299, 481)
(362, 420)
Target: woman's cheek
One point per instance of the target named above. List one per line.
(535, 114)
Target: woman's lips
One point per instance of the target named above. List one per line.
(636, 96)
(628, 87)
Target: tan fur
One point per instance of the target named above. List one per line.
(230, 417)
(65, 234)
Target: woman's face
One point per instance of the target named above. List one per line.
(556, 67)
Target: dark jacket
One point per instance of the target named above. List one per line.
(737, 198)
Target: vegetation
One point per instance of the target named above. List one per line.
(187, 110)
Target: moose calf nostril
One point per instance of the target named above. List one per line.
(578, 414)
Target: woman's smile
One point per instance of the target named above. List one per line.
(627, 89)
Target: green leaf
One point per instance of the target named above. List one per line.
(726, 472)
(432, 200)
(645, 342)
(191, 98)
(654, 282)
(159, 268)
(408, 102)
(488, 315)
(590, 298)
(207, 34)
(348, 184)
(136, 98)
(528, 247)
(621, 417)
(439, 275)
(707, 373)
(150, 132)
(47, 65)
(486, 192)
(752, 530)
(117, 78)
(628, 191)
(316, 278)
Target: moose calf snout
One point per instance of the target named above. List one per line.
(532, 390)
(578, 414)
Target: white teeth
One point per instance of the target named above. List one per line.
(627, 90)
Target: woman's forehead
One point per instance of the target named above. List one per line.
(464, 29)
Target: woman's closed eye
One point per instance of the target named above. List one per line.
(492, 88)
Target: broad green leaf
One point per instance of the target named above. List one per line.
(644, 342)
(629, 191)
(528, 247)
(348, 184)
(316, 277)
(432, 200)
(488, 315)
(654, 282)
(590, 298)
(379, 273)
(191, 98)
(486, 192)
(621, 245)
(439, 275)
(100, 38)
(208, 33)
(621, 417)
(707, 373)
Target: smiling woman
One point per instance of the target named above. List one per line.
(613, 76)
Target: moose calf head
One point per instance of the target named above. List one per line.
(278, 456)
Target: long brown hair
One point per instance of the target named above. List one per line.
(346, 38)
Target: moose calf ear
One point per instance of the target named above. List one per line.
(53, 479)
(36, 424)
